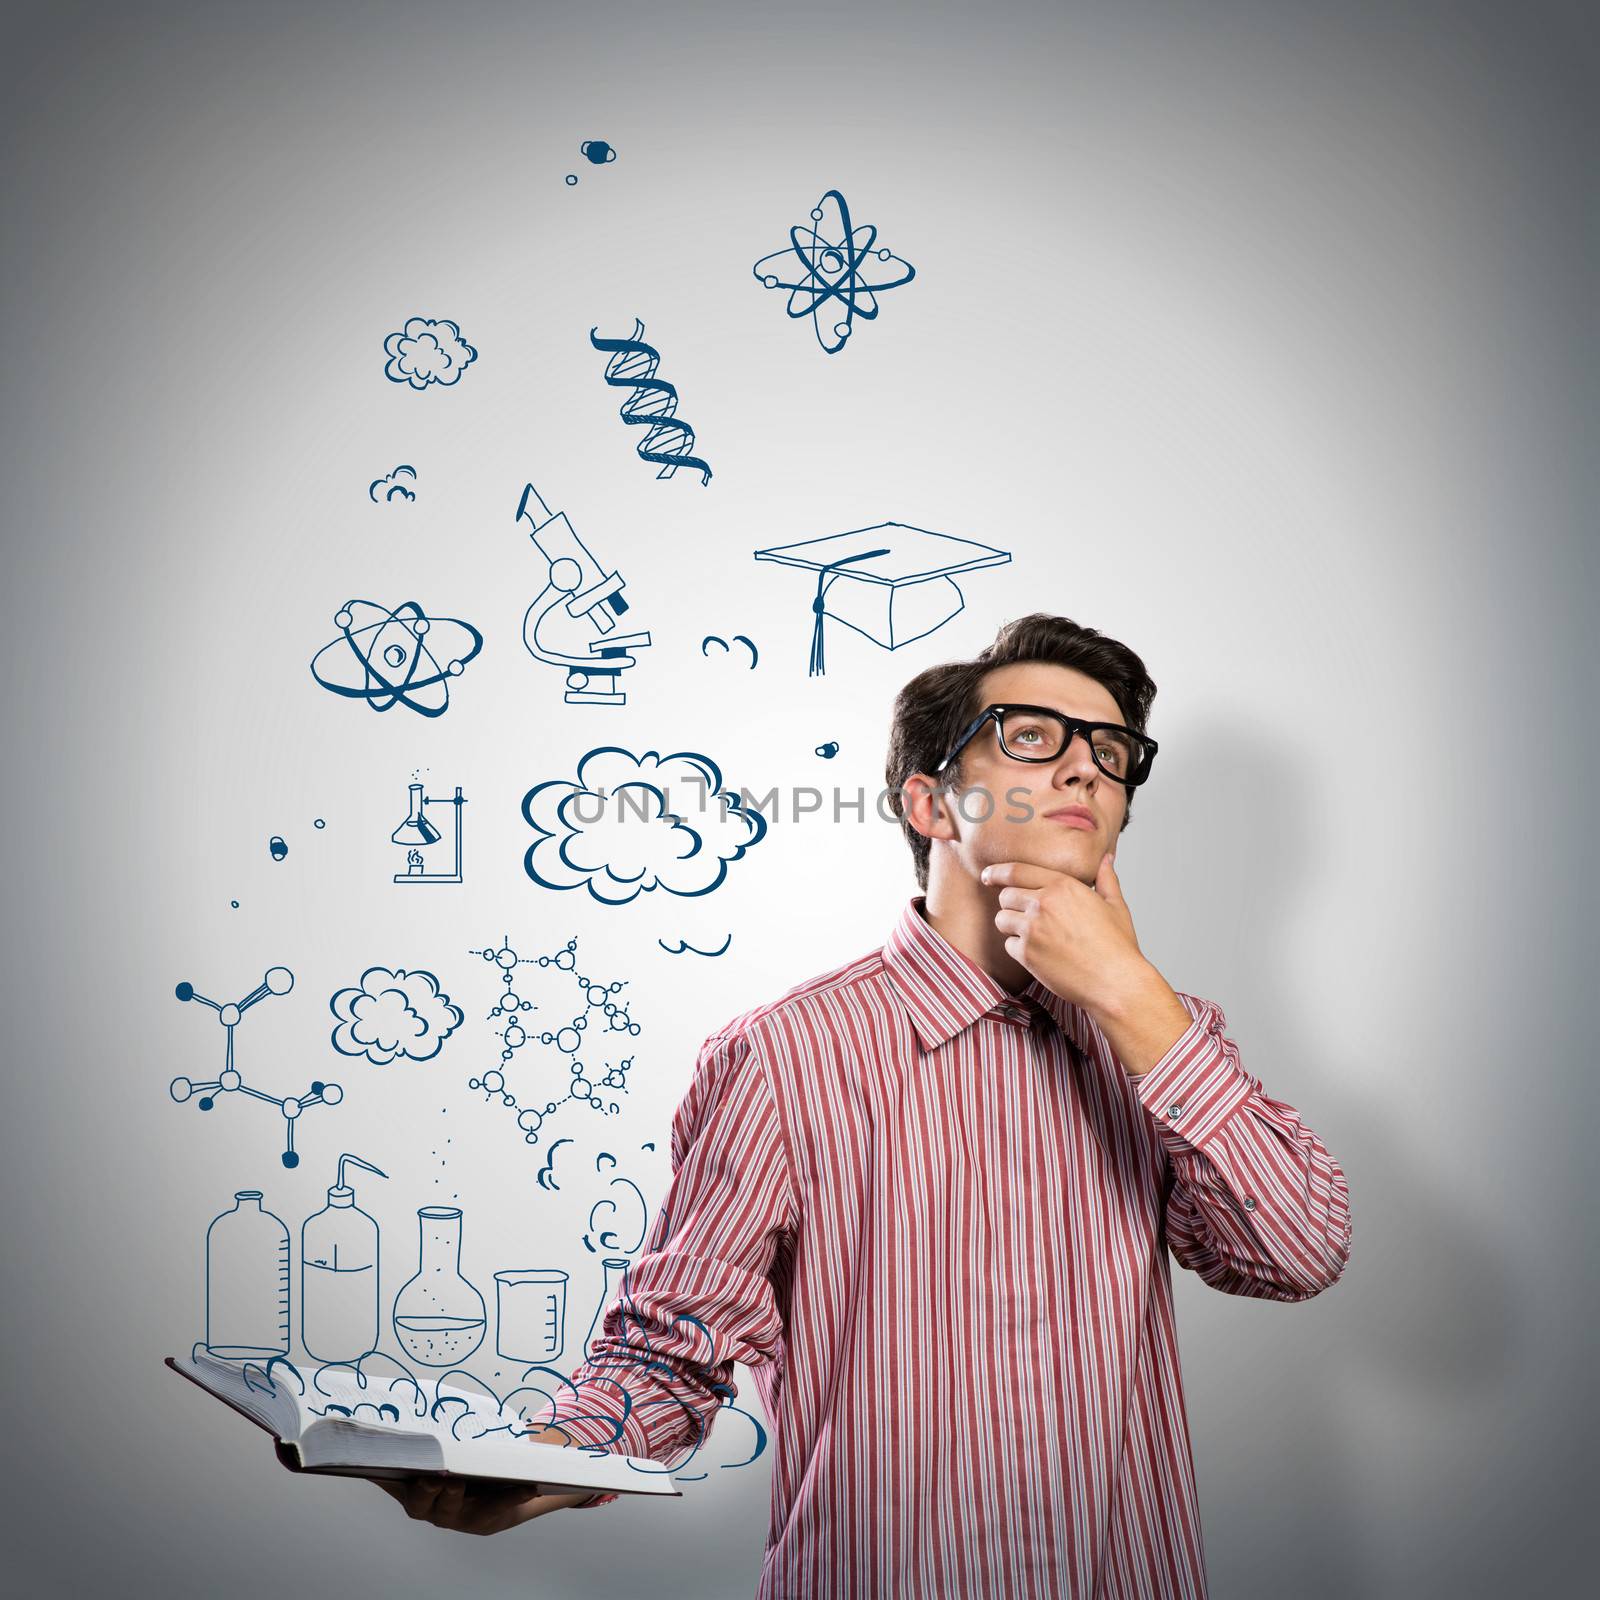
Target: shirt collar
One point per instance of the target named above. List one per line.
(945, 991)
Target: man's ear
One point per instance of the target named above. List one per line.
(924, 803)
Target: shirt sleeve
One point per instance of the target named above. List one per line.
(698, 1297)
(1257, 1205)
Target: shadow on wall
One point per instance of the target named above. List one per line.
(1423, 1314)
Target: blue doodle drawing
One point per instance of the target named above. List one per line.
(399, 485)
(511, 1008)
(611, 1210)
(247, 1282)
(631, 843)
(276, 848)
(738, 638)
(387, 657)
(892, 583)
(596, 152)
(390, 1014)
(339, 1257)
(439, 1316)
(530, 1313)
(546, 1175)
(829, 272)
(688, 949)
(426, 352)
(578, 595)
(417, 833)
(278, 980)
(653, 405)
(827, 751)
(375, 1374)
(637, 1353)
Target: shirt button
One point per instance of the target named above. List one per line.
(1174, 1108)
(1249, 1202)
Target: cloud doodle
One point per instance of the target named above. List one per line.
(390, 1014)
(401, 484)
(614, 829)
(425, 352)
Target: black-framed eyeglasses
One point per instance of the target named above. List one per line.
(1041, 733)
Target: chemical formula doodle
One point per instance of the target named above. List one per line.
(598, 1001)
(278, 980)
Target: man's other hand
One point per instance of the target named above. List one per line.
(475, 1507)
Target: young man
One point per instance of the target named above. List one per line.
(928, 1197)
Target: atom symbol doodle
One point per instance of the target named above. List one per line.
(831, 256)
(385, 658)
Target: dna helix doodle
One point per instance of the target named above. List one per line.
(653, 404)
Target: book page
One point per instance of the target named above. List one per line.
(377, 1412)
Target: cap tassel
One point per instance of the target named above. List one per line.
(819, 609)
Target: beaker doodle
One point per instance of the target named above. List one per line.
(247, 1282)
(530, 1313)
(339, 1275)
(438, 1316)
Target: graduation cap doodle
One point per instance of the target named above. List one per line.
(892, 582)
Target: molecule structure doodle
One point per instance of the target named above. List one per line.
(385, 657)
(653, 405)
(278, 980)
(568, 1038)
(823, 271)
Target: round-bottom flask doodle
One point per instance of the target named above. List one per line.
(438, 1316)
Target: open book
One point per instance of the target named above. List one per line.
(348, 1423)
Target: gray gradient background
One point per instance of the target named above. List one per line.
(1258, 332)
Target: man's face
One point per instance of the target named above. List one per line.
(1020, 827)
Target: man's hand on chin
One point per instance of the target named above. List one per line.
(1078, 941)
(1075, 939)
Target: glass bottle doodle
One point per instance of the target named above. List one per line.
(438, 1316)
(247, 1282)
(339, 1275)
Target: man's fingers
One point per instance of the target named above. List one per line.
(1019, 874)
(420, 1497)
(1019, 899)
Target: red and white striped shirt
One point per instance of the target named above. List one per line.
(933, 1218)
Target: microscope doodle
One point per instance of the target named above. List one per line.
(578, 598)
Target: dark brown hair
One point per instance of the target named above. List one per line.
(931, 711)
